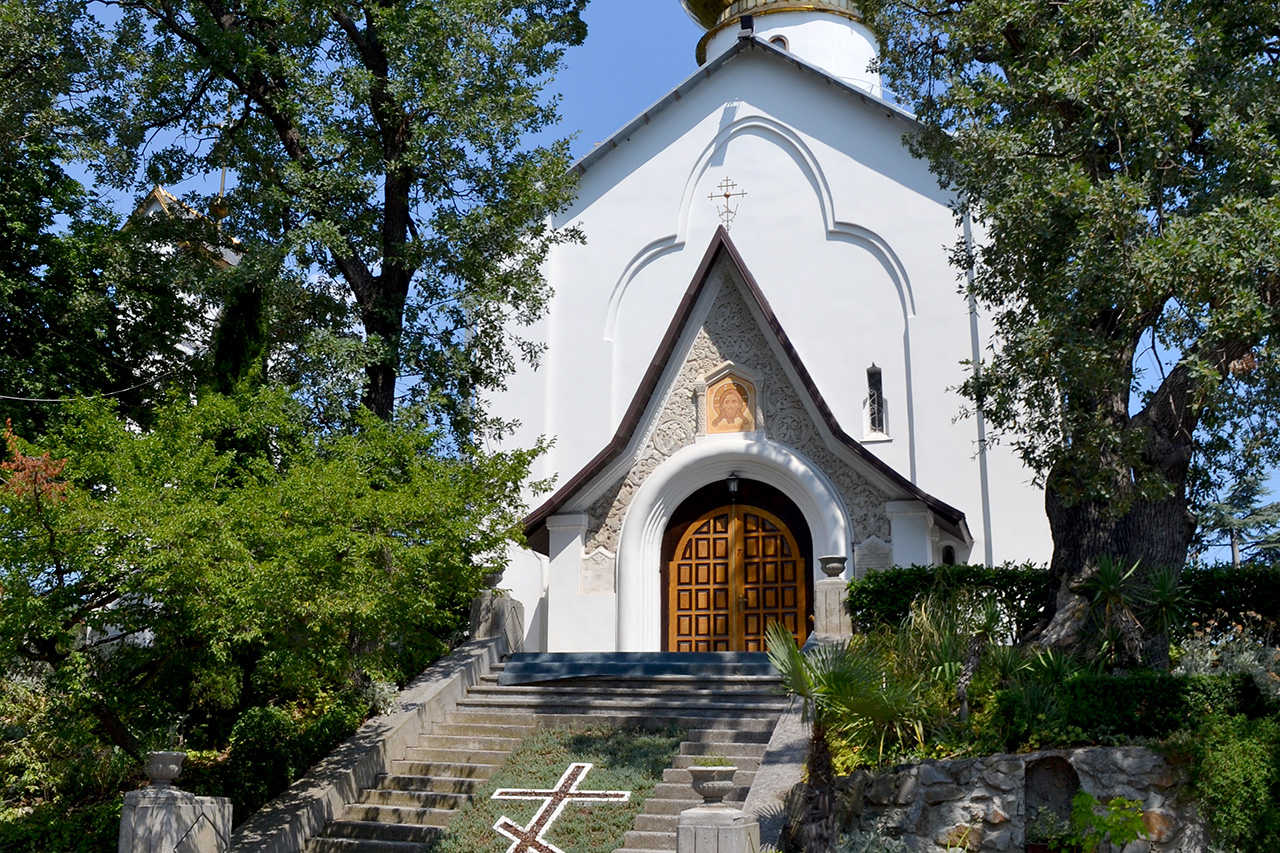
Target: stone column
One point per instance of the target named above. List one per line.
(716, 829)
(830, 616)
(163, 819)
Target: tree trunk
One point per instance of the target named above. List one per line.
(115, 728)
(1152, 534)
(820, 829)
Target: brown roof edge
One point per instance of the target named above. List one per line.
(534, 523)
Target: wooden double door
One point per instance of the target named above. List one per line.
(735, 569)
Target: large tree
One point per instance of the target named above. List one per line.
(381, 144)
(1119, 160)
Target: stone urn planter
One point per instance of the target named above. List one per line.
(164, 767)
(712, 783)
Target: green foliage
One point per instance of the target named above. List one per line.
(1046, 827)
(236, 564)
(382, 149)
(869, 841)
(852, 689)
(271, 747)
(1236, 781)
(1114, 158)
(59, 827)
(1118, 822)
(884, 597)
(1231, 595)
(622, 761)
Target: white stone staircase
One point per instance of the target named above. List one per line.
(728, 707)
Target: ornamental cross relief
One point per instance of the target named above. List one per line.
(726, 192)
(529, 839)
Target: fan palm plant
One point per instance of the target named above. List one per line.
(846, 688)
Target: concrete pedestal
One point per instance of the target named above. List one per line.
(495, 614)
(162, 819)
(830, 616)
(716, 829)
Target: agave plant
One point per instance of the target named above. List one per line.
(1115, 599)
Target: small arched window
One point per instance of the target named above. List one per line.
(877, 415)
(780, 43)
(948, 555)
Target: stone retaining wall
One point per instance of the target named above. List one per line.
(985, 803)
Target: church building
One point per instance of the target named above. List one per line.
(752, 359)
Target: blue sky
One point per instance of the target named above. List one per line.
(634, 54)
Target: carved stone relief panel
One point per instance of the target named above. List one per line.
(730, 334)
(597, 573)
(871, 555)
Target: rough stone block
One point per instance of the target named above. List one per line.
(1001, 839)
(907, 789)
(880, 791)
(935, 774)
(1161, 825)
(942, 794)
(961, 837)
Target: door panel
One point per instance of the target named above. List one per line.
(736, 569)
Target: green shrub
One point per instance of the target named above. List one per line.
(1239, 595)
(884, 597)
(1141, 704)
(271, 748)
(55, 827)
(1236, 780)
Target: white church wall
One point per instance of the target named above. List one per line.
(846, 235)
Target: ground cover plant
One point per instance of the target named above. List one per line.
(622, 760)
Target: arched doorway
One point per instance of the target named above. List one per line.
(731, 565)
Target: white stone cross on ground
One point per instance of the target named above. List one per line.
(528, 839)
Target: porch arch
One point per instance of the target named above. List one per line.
(710, 459)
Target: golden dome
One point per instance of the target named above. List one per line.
(712, 13)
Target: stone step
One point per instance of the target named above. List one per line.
(434, 784)
(413, 799)
(639, 839)
(622, 704)
(759, 682)
(325, 844)
(455, 756)
(468, 742)
(742, 762)
(656, 822)
(691, 690)
(704, 748)
(681, 776)
(663, 806)
(532, 667)
(403, 767)
(402, 832)
(763, 722)
(397, 814)
(723, 736)
(481, 730)
(681, 791)
(489, 716)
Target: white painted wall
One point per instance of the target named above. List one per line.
(847, 236)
